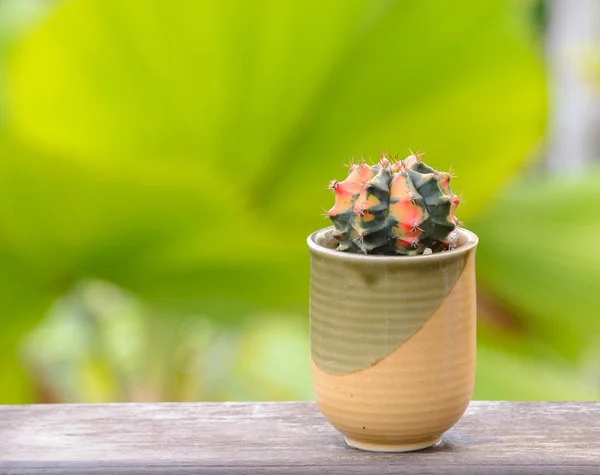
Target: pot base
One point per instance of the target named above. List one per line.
(376, 447)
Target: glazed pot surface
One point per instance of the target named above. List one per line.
(392, 342)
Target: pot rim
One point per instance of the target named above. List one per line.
(471, 242)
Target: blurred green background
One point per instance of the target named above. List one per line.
(161, 164)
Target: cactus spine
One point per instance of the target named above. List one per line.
(394, 207)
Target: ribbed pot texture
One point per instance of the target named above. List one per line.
(392, 342)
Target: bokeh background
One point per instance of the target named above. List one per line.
(161, 164)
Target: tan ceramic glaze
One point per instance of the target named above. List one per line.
(392, 342)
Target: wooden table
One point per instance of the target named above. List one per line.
(284, 438)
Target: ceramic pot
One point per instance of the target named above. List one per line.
(392, 342)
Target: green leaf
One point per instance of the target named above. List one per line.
(507, 370)
(538, 252)
(121, 350)
(181, 150)
(23, 299)
(202, 136)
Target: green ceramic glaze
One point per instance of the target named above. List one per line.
(363, 307)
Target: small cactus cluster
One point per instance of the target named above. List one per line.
(396, 207)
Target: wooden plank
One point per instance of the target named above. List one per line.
(284, 438)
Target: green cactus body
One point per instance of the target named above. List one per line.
(401, 208)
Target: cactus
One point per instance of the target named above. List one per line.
(394, 207)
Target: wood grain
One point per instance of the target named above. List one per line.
(287, 438)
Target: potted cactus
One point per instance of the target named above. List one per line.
(392, 307)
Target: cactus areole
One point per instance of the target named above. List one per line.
(396, 207)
